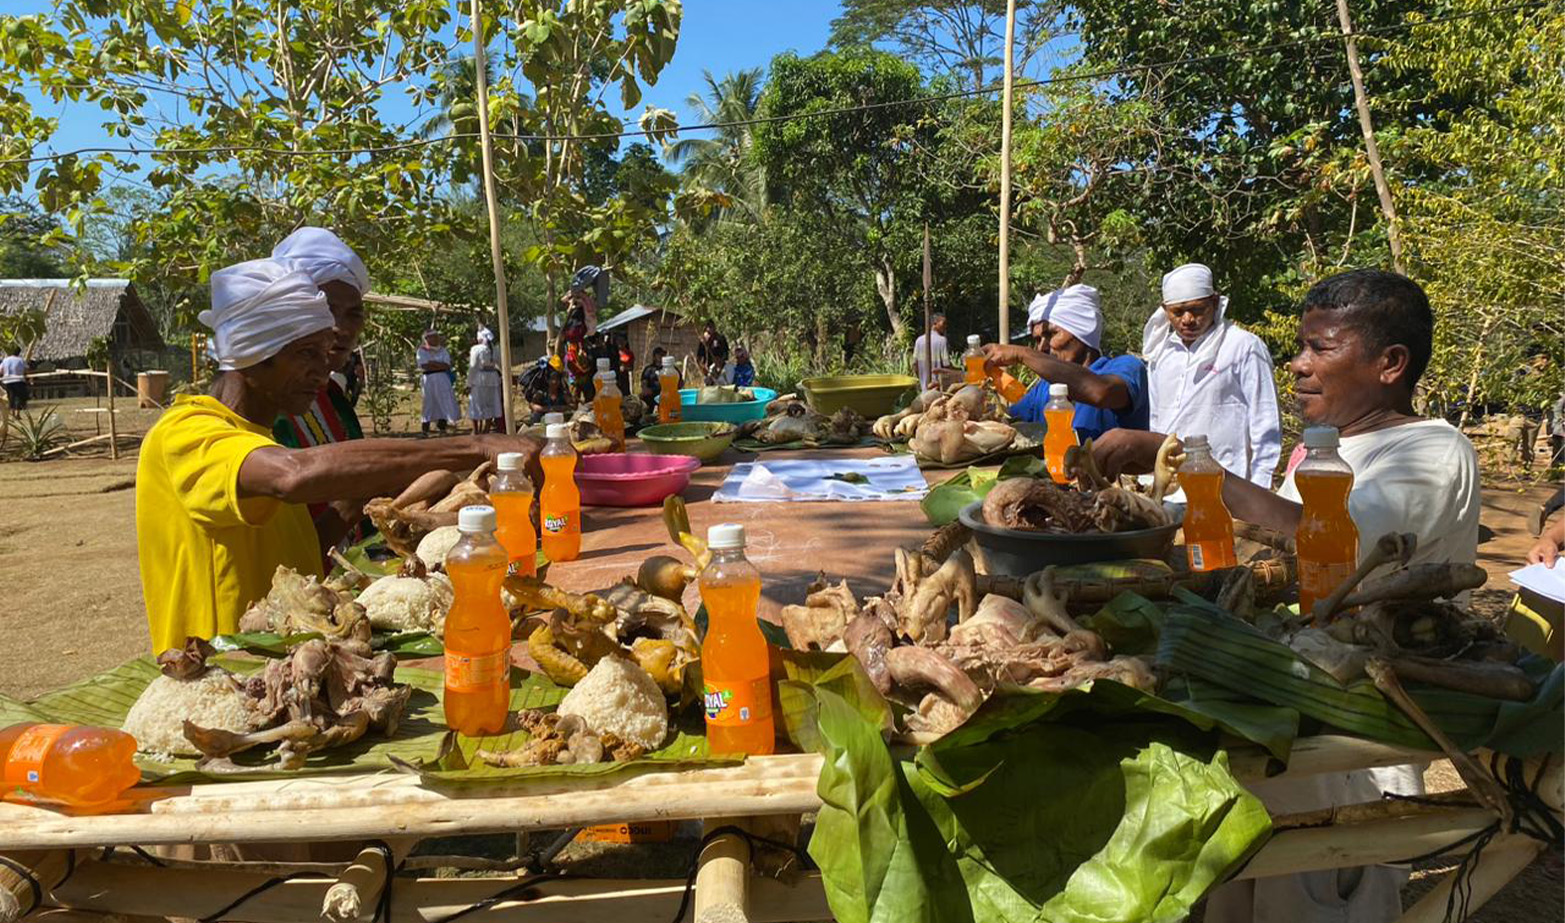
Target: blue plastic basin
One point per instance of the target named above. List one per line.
(741, 412)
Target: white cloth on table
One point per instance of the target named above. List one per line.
(439, 397)
(13, 369)
(939, 354)
(1221, 386)
(483, 384)
(322, 256)
(893, 478)
(259, 307)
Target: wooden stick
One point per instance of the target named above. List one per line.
(361, 884)
(22, 893)
(1371, 149)
(1390, 839)
(1374, 810)
(496, 254)
(158, 892)
(929, 334)
(1499, 863)
(114, 433)
(721, 877)
(1005, 175)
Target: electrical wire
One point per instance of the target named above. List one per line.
(766, 120)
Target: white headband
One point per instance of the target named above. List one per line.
(1188, 283)
(324, 257)
(1073, 309)
(258, 307)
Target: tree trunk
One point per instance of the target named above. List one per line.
(1078, 264)
(886, 286)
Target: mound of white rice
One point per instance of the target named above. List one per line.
(408, 603)
(211, 700)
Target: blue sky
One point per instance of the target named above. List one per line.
(717, 35)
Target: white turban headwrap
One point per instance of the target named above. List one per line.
(324, 257)
(1073, 309)
(259, 307)
(1186, 283)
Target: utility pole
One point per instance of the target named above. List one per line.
(502, 310)
(1005, 178)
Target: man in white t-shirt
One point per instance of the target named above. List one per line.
(937, 351)
(1364, 340)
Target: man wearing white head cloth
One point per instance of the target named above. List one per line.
(342, 277)
(1208, 375)
(1110, 392)
(220, 505)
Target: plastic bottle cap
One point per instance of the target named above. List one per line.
(725, 535)
(668, 362)
(603, 365)
(1320, 437)
(509, 461)
(1059, 390)
(974, 339)
(475, 519)
(551, 418)
(558, 431)
(1195, 442)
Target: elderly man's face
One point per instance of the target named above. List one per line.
(1192, 318)
(1062, 344)
(347, 312)
(1336, 379)
(293, 377)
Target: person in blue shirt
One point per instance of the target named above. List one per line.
(1067, 328)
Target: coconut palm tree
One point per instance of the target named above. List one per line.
(722, 163)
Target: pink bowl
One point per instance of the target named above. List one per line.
(618, 479)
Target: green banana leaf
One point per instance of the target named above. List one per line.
(1129, 623)
(1081, 807)
(409, 644)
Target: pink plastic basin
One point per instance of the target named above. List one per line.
(618, 479)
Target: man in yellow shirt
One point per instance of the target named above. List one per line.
(219, 504)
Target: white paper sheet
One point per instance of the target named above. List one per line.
(895, 477)
(1545, 581)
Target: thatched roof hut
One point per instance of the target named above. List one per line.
(75, 317)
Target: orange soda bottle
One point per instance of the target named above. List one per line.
(735, 663)
(559, 502)
(65, 764)
(478, 630)
(511, 495)
(1327, 539)
(669, 410)
(1209, 527)
(973, 362)
(608, 406)
(1060, 415)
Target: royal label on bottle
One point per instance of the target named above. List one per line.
(735, 702)
(466, 672)
(556, 524)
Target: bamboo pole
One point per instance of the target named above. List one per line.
(1497, 865)
(1371, 149)
(721, 878)
(114, 431)
(22, 893)
(1005, 177)
(1375, 842)
(496, 254)
(929, 333)
(360, 885)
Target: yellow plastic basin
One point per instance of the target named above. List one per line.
(871, 395)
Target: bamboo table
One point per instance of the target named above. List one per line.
(397, 809)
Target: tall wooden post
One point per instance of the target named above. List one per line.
(929, 333)
(1005, 178)
(114, 428)
(1371, 149)
(496, 255)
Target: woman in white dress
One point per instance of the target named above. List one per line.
(440, 406)
(484, 405)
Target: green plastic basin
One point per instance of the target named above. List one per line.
(871, 395)
(705, 441)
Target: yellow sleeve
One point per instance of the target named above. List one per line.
(202, 454)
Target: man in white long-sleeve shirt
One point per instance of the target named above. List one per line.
(1210, 376)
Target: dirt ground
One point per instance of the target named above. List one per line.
(69, 578)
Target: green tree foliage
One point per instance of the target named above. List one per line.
(964, 40)
(25, 248)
